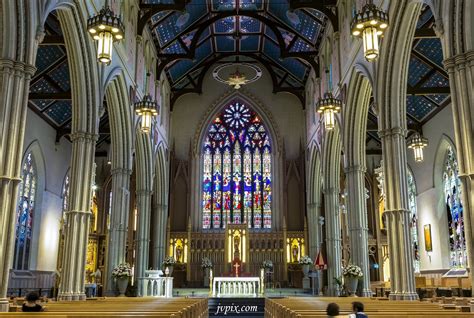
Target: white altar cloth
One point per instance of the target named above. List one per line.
(235, 286)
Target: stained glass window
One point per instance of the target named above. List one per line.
(414, 221)
(24, 215)
(65, 195)
(454, 207)
(237, 172)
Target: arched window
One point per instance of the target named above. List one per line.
(237, 177)
(452, 195)
(25, 212)
(414, 221)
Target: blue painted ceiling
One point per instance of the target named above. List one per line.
(241, 35)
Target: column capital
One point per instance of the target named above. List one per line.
(18, 66)
(119, 170)
(79, 136)
(393, 131)
(144, 192)
(77, 212)
(355, 168)
(458, 60)
(331, 190)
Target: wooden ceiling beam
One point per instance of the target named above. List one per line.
(51, 96)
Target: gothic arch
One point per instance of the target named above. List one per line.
(355, 118)
(438, 165)
(221, 102)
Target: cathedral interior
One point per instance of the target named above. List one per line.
(283, 140)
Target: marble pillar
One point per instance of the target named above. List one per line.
(461, 81)
(159, 235)
(397, 213)
(118, 224)
(143, 235)
(358, 224)
(14, 87)
(333, 238)
(77, 217)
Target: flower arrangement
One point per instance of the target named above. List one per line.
(206, 262)
(305, 260)
(267, 264)
(123, 270)
(352, 270)
(169, 261)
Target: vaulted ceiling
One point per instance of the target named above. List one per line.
(219, 31)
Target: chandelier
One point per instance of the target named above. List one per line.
(231, 75)
(328, 107)
(105, 27)
(369, 24)
(147, 108)
(417, 143)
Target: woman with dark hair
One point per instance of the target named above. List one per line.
(332, 310)
(357, 310)
(31, 304)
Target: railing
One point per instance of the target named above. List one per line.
(235, 286)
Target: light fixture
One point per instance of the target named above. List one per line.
(234, 77)
(328, 107)
(370, 23)
(417, 143)
(105, 27)
(146, 109)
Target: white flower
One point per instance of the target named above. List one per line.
(206, 262)
(123, 270)
(169, 261)
(352, 270)
(305, 260)
(267, 264)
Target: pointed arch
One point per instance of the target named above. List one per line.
(314, 199)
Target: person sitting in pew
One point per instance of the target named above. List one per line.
(31, 304)
(357, 310)
(332, 310)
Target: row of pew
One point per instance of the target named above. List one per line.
(123, 307)
(375, 308)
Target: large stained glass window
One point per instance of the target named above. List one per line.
(237, 172)
(414, 221)
(65, 195)
(452, 195)
(24, 215)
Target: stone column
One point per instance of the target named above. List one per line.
(143, 235)
(159, 234)
(397, 212)
(14, 87)
(313, 228)
(357, 219)
(118, 224)
(461, 81)
(333, 238)
(77, 217)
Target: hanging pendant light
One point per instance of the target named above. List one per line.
(147, 108)
(105, 28)
(417, 143)
(328, 107)
(370, 23)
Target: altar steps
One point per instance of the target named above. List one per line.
(236, 307)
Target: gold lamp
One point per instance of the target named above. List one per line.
(146, 109)
(328, 107)
(417, 143)
(105, 27)
(370, 23)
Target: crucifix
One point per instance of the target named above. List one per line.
(236, 266)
